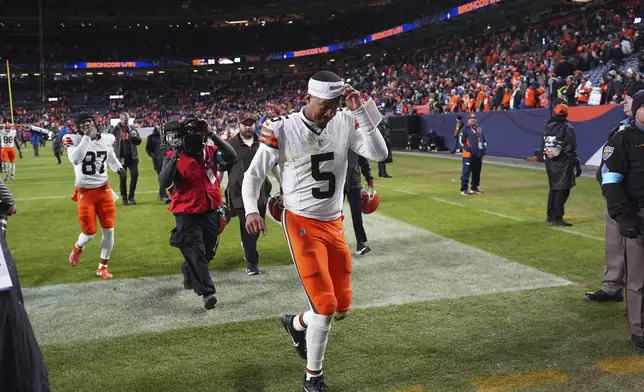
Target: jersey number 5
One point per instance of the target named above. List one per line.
(316, 160)
(89, 164)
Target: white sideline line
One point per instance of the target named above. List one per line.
(448, 202)
(502, 215)
(407, 192)
(579, 234)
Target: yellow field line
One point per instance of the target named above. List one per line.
(622, 366)
(520, 380)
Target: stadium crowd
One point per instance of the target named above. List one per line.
(531, 66)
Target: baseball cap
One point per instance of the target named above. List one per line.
(472, 115)
(246, 117)
(561, 110)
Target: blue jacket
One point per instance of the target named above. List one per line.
(470, 142)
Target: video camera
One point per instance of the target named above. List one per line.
(183, 136)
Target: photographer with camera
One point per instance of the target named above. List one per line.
(190, 171)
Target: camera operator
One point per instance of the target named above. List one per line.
(190, 171)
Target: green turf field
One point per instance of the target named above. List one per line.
(460, 294)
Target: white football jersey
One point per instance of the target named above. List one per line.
(90, 158)
(8, 136)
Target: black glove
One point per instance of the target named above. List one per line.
(630, 226)
(121, 172)
(577, 169)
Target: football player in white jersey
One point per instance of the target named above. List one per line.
(311, 148)
(89, 151)
(9, 147)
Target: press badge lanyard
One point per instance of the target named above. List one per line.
(478, 138)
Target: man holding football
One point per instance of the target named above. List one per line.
(311, 148)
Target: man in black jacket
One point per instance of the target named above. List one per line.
(614, 243)
(126, 140)
(245, 144)
(562, 163)
(353, 191)
(622, 183)
(153, 147)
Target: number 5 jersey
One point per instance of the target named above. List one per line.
(312, 161)
(90, 157)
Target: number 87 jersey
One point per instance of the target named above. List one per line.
(312, 163)
(90, 159)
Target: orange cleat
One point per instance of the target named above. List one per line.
(104, 273)
(74, 256)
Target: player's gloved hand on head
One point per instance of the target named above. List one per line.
(630, 226)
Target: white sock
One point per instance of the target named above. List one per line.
(107, 243)
(317, 335)
(83, 239)
(13, 168)
(301, 322)
(5, 168)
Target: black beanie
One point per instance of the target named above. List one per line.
(637, 86)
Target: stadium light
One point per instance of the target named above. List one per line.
(150, 72)
(368, 55)
(58, 74)
(25, 74)
(99, 73)
(53, 99)
(291, 65)
(89, 74)
(161, 72)
(332, 60)
(194, 70)
(209, 70)
(237, 21)
(3, 75)
(119, 73)
(251, 67)
(36, 74)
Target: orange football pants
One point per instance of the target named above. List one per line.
(93, 202)
(322, 259)
(8, 154)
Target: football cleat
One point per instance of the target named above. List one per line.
(74, 256)
(363, 249)
(104, 273)
(315, 384)
(252, 270)
(370, 201)
(298, 338)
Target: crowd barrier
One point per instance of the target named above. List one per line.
(518, 133)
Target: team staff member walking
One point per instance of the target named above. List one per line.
(190, 171)
(623, 187)
(353, 190)
(153, 147)
(474, 146)
(562, 163)
(615, 269)
(127, 138)
(245, 144)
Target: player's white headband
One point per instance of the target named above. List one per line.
(325, 90)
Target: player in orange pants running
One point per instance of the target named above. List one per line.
(311, 148)
(89, 151)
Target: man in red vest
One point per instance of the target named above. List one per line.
(190, 171)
